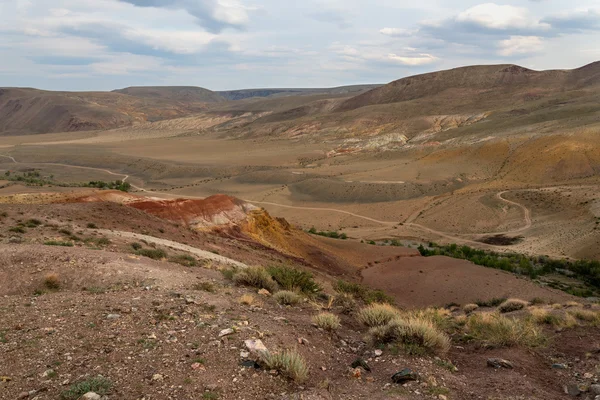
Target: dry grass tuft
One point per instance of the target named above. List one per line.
(52, 282)
(497, 330)
(469, 308)
(416, 335)
(257, 277)
(570, 304)
(247, 299)
(511, 305)
(287, 297)
(544, 316)
(327, 321)
(288, 363)
(588, 316)
(377, 314)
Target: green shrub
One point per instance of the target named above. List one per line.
(102, 241)
(294, 279)
(287, 297)
(155, 254)
(17, 229)
(327, 321)
(495, 302)
(416, 335)
(289, 363)
(33, 223)
(257, 277)
(98, 384)
(185, 260)
(92, 225)
(136, 246)
(377, 314)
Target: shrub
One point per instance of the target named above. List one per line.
(511, 305)
(585, 315)
(184, 259)
(205, 286)
(327, 321)
(17, 229)
(536, 301)
(136, 246)
(257, 277)
(547, 317)
(98, 384)
(288, 363)
(228, 273)
(92, 225)
(155, 254)
(52, 282)
(102, 241)
(377, 314)
(287, 297)
(33, 223)
(497, 330)
(346, 302)
(469, 308)
(247, 299)
(495, 302)
(363, 293)
(416, 335)
(294, 279)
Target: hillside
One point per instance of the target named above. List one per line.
(183, 94)
(251, 93)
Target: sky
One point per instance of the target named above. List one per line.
(234, 44)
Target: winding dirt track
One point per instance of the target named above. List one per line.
(447, 235)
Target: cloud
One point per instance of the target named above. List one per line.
(331, 16)
(413, 61)
(518, 45)
(396, 32)
(577, 20)
(213, 15)
(500, 17)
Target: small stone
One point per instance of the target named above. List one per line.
(250, 364)
(572, 389)
(442, 397)
(356, 372)
(113, 316)
(303, 341)
(499, 363)
(559, 366)
(256, 347)
(378, 353)
(158, 377)
(595, 389)
(211, 387)
(91, 396)
(226, 332)
(244, 354)
(15, 240)
(264, 292)
(47, 373)
(196, 366)
(23, 395)
(588, 375)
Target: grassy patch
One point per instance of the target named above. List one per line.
(497, 330)
(288, 363)
(327, 321)
(184, 259)
(98, 384)
(294, 279)
(155, 254)
(511, 305)
(287, 297)
(415, 335)
(205, 286)
(362, 292)
(329, 234)
(52, 282)
(17, 229)
(495, 302)
(257, 277)
(377, 314)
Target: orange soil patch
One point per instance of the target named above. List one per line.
(439, 280)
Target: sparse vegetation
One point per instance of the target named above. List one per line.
(287, 297)
(92, 225)
(329, 234)
(17, 229)
(155, 254)
(247, 299)
(294, 279)
(362, 292)
(98, 384)
(377, 314)
(327, 321)
(469, 308)
(511, 305)
(415, 335)
(136, 246)
(257, 277)
(497, 330)
(58, 243)
(185, 260)
(205, 286)
(495, 302)
(288, 363)
(52, 282)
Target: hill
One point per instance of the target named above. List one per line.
(183, 94)
(250, 93)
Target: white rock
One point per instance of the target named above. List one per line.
(226, 332)
(256, 347)
(378, 353)
(91, 396)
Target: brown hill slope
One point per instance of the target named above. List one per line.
(496, 79)
(26, 111)
(177, 93)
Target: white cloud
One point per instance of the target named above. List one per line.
(178, 42)
(518, 45)
(413, 61)
(396, 32)
(500, 17)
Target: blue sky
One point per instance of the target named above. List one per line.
(232, 44)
